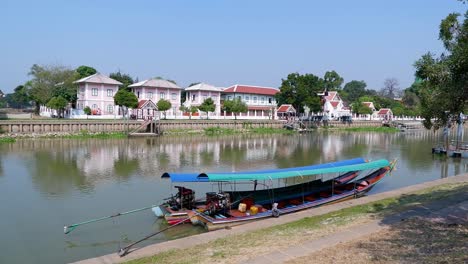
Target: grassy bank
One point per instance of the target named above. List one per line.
(238, 248)
(7, 140)
(99, 135)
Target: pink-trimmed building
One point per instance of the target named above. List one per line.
(157, 89)
(196, 94)
(260, 100)
(97, 92)
(334, 106)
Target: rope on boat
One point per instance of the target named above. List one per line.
(68, 229)
(124, 251)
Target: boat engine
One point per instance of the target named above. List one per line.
(185, 198)
(217, 202)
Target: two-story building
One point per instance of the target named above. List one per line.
(97, 92)
(261, 101)
(157, 89)
(196, 94)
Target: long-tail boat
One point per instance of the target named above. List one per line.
(216, 216)
(176, 208)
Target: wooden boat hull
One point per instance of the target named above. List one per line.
(346, 191)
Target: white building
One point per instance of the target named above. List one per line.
(261, 101)
(334, 106)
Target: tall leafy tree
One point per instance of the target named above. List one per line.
(125, 99)
(50, 81)
(444, 91)
(354, 89)
(85, 71)
(124, 78)
(20, 97)
(207, 106)
(235, 106)
(332, 81)
(163, 106)
(301, 90)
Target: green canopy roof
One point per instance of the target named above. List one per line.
(288, 174)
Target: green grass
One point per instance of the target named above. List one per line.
(7, 140)
(101, 135)
(219, 130)
(232, 248)
(269, 130)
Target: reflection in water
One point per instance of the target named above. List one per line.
(63, 181)
(58, 166)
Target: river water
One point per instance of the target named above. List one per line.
(46, 184)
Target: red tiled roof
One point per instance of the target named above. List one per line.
(286, 108)
(249, 89)
(383, 111)
(330, 96)
(141, 103)
(334, 104)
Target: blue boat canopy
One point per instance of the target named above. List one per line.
(203, 177)
(288, 174)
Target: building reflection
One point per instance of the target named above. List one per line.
(61, 165)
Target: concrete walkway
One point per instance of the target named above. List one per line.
(310, 246)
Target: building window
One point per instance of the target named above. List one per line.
(269, 100)
(162, 95)
(194, 97)
(255, 99)
(110, 92)
(239, 97)
(247, 98)
(149, 95)
(110, 109)
(138, 94)
(229, 98)
(94, 106)
(262, 100)
(94, 91)
(173, 96)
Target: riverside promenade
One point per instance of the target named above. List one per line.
(452, 208)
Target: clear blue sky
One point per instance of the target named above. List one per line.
(222, 42)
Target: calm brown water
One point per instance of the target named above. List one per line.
(46, 184)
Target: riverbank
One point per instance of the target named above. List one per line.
(258, 242)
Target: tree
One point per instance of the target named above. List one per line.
(444, 91)
(235, 106)
(125, 99)
(164, 105)
(58, 103)
(51, 81)
(359, 108)
(87, 110)
(390, 89)
(332, 81)
(208, 105)
(301, 90)
(85, 71)
(20, 97)
(125, 79)
(354, 89)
